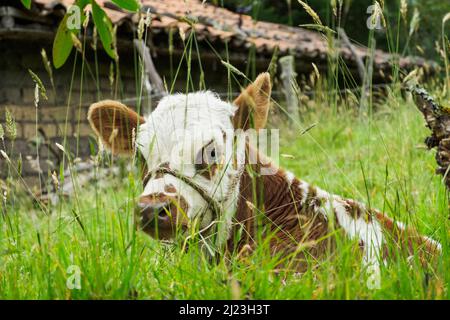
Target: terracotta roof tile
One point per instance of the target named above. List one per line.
(241, 31)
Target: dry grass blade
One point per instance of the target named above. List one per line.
(444, 49)
(317, 27)
(60, 147)
(446, 18)
(316, 70)
(3, 153)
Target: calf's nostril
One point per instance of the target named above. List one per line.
(162, 212)
(149, 212)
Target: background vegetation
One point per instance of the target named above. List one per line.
(352, 17)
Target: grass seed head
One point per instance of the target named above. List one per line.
(414, 24)
(76, 43)
(47, 64)
(39, 83)
(55, 180)
(10, 125)
(141, 27)
(94, 39)
(36, 95)
(5, 155)
(311, 12)
(404, 10)
(86, 20)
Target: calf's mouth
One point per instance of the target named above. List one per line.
(161, 216)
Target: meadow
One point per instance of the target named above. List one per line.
(379, 159)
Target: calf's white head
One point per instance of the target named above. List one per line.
(189, 152)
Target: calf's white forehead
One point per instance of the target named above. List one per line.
(195, 112)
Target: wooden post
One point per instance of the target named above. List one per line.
(358, 60)
(288, 77)
(367, 84)
(364, 76)
(152, 81)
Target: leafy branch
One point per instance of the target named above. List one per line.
(70, 27)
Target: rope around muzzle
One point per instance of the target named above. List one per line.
(212, 204)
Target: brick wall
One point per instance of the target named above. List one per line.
(17, 95)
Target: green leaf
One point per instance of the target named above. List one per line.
(26, 3)
(104, 28)
(131, 5)
(62, 44)
(82, 3)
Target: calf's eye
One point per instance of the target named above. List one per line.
(207, 160)
(213, 154)
(210, 154)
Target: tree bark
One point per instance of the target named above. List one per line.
(438, 121)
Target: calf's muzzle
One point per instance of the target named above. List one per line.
(153, 211)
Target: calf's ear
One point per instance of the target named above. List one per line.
(253, 104)
(115, 124)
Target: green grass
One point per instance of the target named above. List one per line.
(118, 262)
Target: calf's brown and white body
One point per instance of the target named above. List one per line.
(300, 215)
(199, 176)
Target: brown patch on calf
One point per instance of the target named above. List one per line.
(409, 241)
(357, 210)
(312, 201)
(170, 188)
(284, 217)
(253, 104)
(207, 171)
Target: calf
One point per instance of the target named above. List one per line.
(199, 179)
